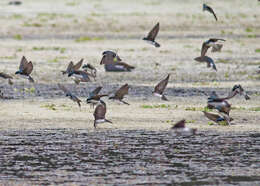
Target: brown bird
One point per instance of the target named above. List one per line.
(7, 76)
(210, 10)
(71, 67)
(208, 60)
(160, 87)
(120, 93)
(25, 69)
(109, 57)
(180, 129)
(94, 97)
(217, 118)
(80, 76)
(152, 35)
(100, 113)
(211, 43)
(70, 95)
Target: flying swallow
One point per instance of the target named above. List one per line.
(25, 69)
(211, 43)
(160, 87)
(71, 67)
(70, 95)
(99, 114)
(208, 60)
(120, 93)
(217, 118)
(94, 96)
(152, 35)
(92, 69)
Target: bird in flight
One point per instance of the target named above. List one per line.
(180, 129)
(100, 113)
(69, 94)
(25, 69)
(120, 93)
(160, 87)
(152, 35)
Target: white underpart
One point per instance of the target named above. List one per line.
(77, 76)
(100, 121)
(119, 66)
(151, 42)
(158, 95)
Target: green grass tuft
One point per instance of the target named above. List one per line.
(86, 39)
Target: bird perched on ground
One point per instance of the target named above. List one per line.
(100, 113)
(160, 87)
(114, 63)
(120, 93)
(225, 120)
(210, 10)
(70, 95)
(6, 76)
(94, 96)
(180, 129)
(25, 69)
(152, 35)
(212, 42)
(92, 69)
(72, 67)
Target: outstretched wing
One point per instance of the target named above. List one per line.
(153, 33)
(95, 91)
(204, 49)
(6, 76)
(29, 68)
(78, 65)
(70, 66)
(122, 91)
(160, 87)
(211, 11)
(23, 63)
(213, 117)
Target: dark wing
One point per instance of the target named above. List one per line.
(64, 89)
(216, 39)
(179, 124)
(29, 68)
(78, 65)
(6, 76)
(122, 91)
(96, 91)
(211, 11)
(216, 48)
(100, 112)
(107, 59)
(160, 87)
(153, 33)
(204, 49)
(70, 66)
(23, 63)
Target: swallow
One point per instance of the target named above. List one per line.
(99, 114)
(152, 35)
(94, 96)
(218, 118)
(25, 69)
(120, 93)
(7, 76)
(208, 60)
(221, 106)
(71, 67)
(180, 128)
(211, 43)
(210, 10)
(119, 67)
(160, 87)
(70, 95)
(92, 69)
(237, 89)
(109, 57)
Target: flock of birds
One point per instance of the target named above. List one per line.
(113, 62)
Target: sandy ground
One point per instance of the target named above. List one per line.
(51, 35)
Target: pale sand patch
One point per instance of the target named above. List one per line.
(35, 114)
